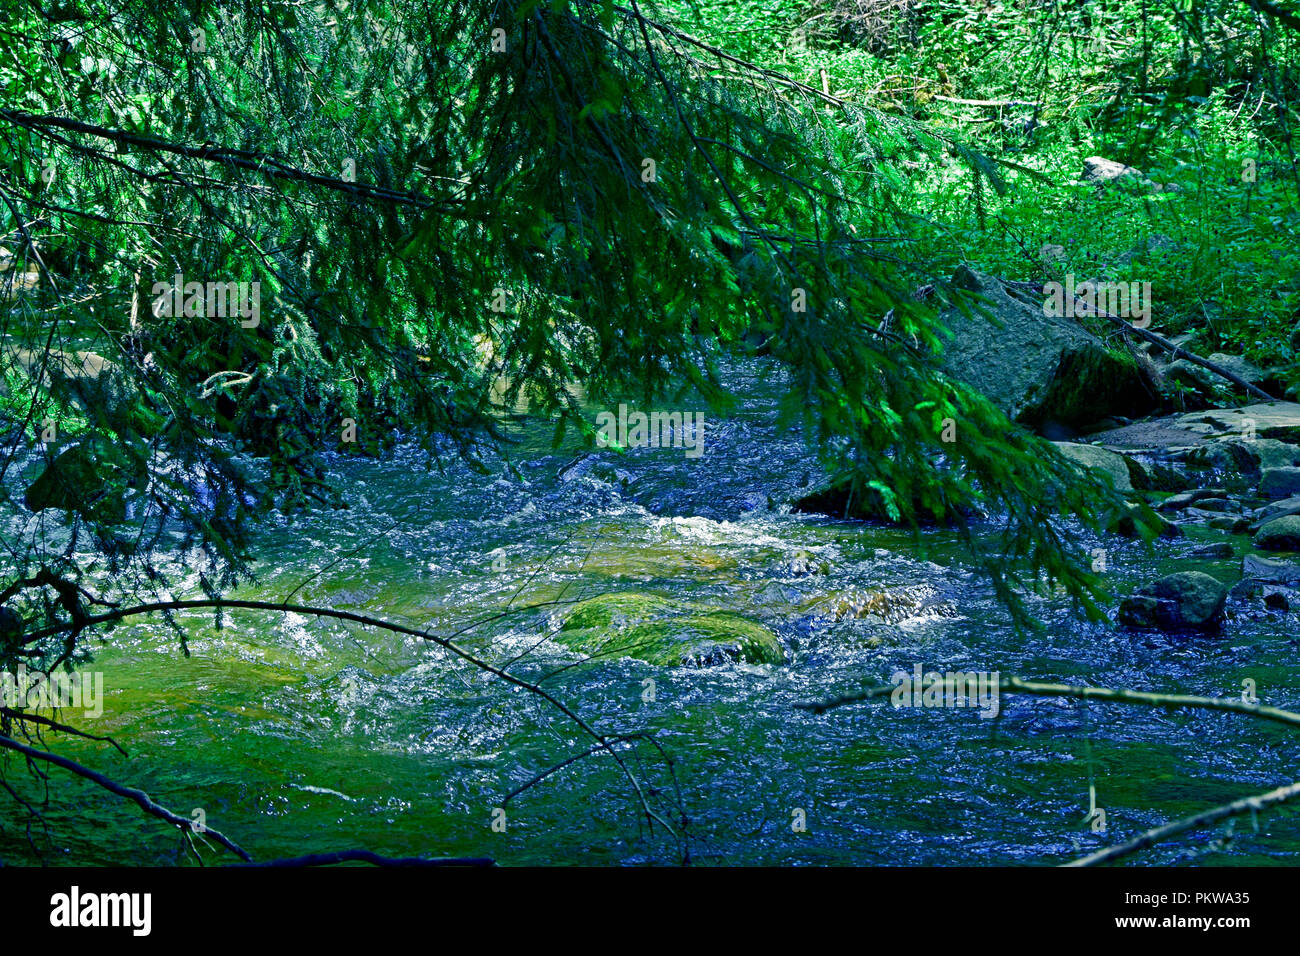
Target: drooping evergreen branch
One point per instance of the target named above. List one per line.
(1275, 11)
(261, 163)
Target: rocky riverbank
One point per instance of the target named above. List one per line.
(1143, 415)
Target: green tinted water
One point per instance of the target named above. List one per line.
(295, 735)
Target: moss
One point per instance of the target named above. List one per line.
(667, 633)
(617, 610)
(1088, 385)
(887, 607)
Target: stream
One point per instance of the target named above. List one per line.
(296, 735)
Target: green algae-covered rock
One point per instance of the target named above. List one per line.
(665, 632)
(1280, 534)
(1186, 599)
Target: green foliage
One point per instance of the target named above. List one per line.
(442, 224)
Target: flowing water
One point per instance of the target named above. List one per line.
(295, 735)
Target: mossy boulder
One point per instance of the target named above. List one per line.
(1098, 460)
(664, 632)
(1039, 368)
(1276, 483)
(1188, 600)
(1280, 534)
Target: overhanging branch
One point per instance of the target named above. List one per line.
(260, 163)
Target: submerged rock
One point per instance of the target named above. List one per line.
(1281, 599)
(887, 606)
(664, 632)
(838, 500)
(1187, 600)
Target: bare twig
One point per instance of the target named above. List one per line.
(1253, 804)
(447, 644)
(146, 803)
(1014, 685)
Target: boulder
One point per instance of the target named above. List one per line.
(1230, 462)
(1203, 380)
(1141, 250)
(1271, 453)
(1038, 368)
(1277, 483)
(1232, 524)
(1238, 444)
(1280, 534)
(1270, 570)
(664, 632)
(1149, 474)
(1099, 460)
(1186, 499)
(1240, 366)
(1101, 172)
(1277, 420)
(1187, 600)
(1278, 509)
